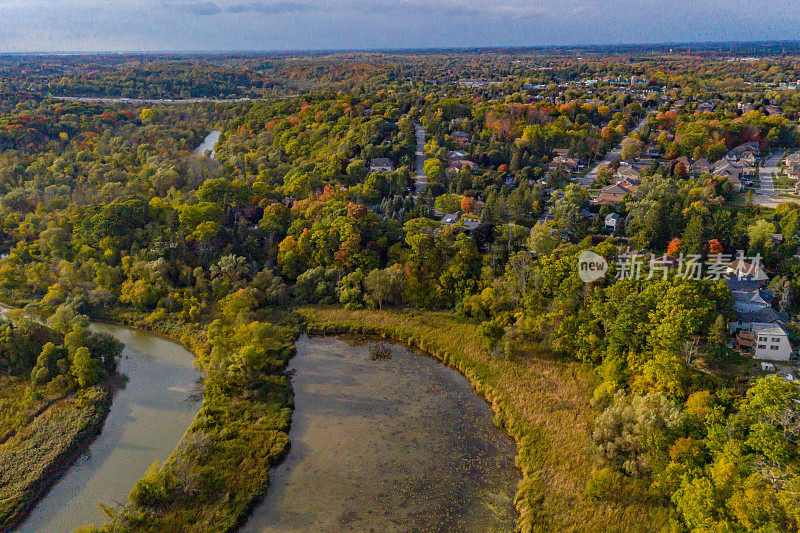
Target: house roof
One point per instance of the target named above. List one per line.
(757, 296)
(744, 284)
(772, 329)
(615, 189)
(470, 223)
(745, 269)
(766, 315)
(629, 170)
(612, 217)
(794, 156)
(382, 162)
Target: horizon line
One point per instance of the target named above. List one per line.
(321, 51)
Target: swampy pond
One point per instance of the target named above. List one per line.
(398, 444)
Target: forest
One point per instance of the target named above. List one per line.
(107, 214)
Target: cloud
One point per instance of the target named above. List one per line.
(209, 8)
(153, 25)
(268, 8)
(202, 8)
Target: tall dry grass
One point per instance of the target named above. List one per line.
(543, 403)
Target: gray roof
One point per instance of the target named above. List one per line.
(470, 223)
(744, 284)
(382, 162)
(765, 316)
(772, 330)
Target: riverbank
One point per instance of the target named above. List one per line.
(543, 403)
(41, 452)
(220, 469)
(42, 437)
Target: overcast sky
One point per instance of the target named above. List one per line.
(188, 25)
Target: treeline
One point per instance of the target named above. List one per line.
(105, 212)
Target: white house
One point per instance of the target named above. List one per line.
(612, 220)
(772, 342)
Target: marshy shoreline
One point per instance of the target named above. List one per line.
(67, 454)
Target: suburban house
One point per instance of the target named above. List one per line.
(627, 171)
(726, 168)
(589, 215)
(749, 147)
(461, 137)
(752, 300)
(450, 219)
(613, 221)
(732, 173)
(614, 194)
(470, 224)
(736, 183)
(744, 156)
(461, 164)
(793, 164)
(772, 342)
(705, 107)
(758, 327)
(683, 160)
(748, 159)
(701, 166)
(565, 163)
(742, 269)
(381, 164)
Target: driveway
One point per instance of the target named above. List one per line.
(767, 170)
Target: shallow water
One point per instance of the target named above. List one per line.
(147, 419)
(400, 444)
(208, 144)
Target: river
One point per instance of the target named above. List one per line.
(148, 417)
(399, 444)
(208, 144)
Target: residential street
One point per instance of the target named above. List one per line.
(587, 180)
(420, 180)
(766, 171)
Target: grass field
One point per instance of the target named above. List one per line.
(542, 401)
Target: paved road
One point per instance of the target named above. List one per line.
(588, 179)
(165, 101)
(420, 179)
(766, 171)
